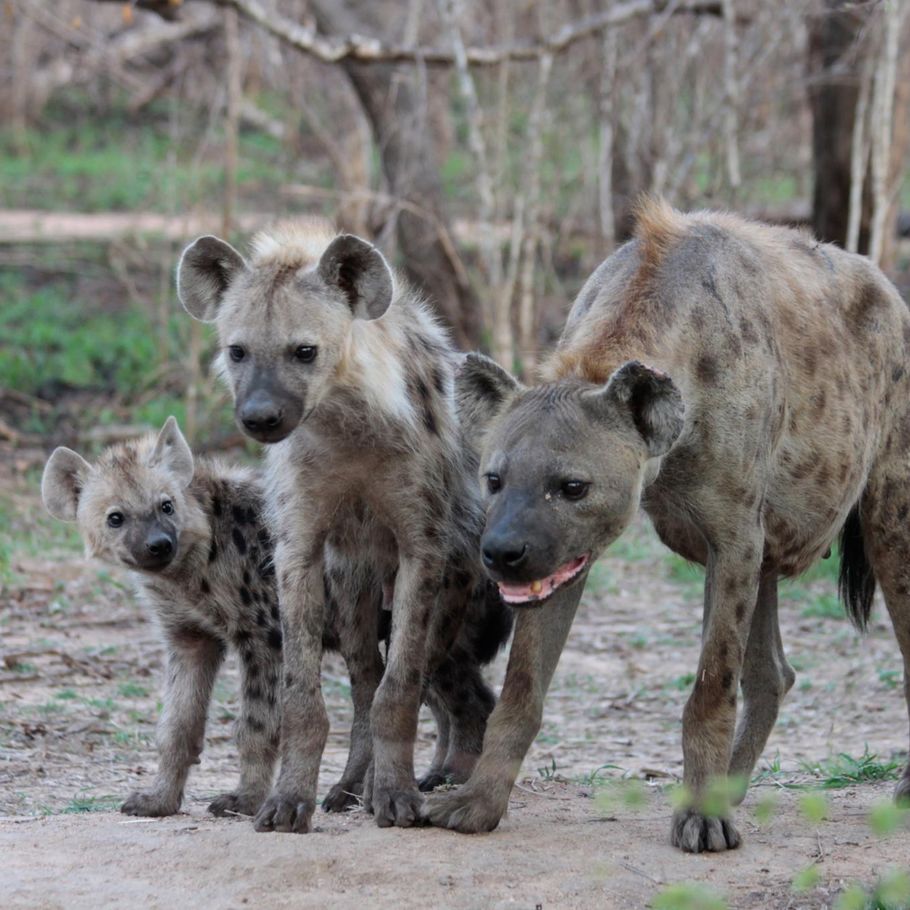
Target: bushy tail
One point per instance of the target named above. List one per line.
(856, 584)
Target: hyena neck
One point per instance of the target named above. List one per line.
(394, 381)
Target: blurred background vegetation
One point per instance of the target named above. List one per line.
(493, 150)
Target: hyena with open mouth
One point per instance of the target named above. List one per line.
(750, 388)
(344, 374)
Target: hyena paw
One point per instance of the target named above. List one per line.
(902, 792)
(431, 780)
(237, 802)
(342, 796)
(396, 806)
(464, 811)
(151, 804)
(697, 833)
(285, 812)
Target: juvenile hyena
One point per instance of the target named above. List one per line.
(341, 370)
(202, 560)
(773, 413)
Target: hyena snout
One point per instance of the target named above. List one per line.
(269, 417)
(156, 548)
(503, 553)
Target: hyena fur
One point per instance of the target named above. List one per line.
(339, 368)
(193, 536)
(750, 388)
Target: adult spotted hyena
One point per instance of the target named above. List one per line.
(749, 388)
(345, 375)
(192, 534)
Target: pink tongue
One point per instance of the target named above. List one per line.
(537, 590)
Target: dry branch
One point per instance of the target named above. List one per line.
(365, 49)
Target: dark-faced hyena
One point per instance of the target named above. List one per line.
(202, 560)
(774, 413)
(345, 374)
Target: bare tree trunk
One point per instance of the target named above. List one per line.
(605, 160)
(387, 93)
(859, 157)
(731, 98)
(232, 118)
(24, 30)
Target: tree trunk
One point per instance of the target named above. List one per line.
(392, 103)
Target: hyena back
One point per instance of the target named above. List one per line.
(750, 388)
(339, 367)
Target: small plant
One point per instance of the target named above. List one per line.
(132, 690)
(845, 771)
(548, 772)
(890, 679)
(682, 683)
(824, 606)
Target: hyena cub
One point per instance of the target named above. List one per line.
(202, 559)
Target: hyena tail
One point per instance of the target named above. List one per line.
(856, 584)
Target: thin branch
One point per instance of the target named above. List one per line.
(365, 49)
(731, 96)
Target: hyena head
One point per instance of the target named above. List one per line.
(132, 506)
(285, 318)
(561, 467)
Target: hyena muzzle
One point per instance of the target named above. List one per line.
(750, 388)
(338, 367)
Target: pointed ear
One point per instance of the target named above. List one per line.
(206, 269)
(648, 398)
(361, 272)
(61, 485)
(172, 452)
(482, 390)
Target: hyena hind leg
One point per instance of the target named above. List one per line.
(886, 545)
(766, 678)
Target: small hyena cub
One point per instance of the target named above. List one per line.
(202, 559)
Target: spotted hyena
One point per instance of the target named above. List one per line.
(336, 365)
(192, 534)
(750, 388)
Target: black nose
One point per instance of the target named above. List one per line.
(257, 419)
(160, 546)
(504, 554)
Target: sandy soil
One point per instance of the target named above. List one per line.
(79, 672)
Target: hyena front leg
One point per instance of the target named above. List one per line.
(731, 589)
(540, 636)
(259, 725)
(358, 637)
(393, 796)
(766, 678)
(304, 721)
(192, 663)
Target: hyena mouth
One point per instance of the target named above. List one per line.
(538, 591)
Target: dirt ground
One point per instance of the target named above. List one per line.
(79, 674)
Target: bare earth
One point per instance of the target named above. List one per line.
(79, 672)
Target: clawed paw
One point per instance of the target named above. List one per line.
(697, 833)
(236, 802)
(150, 804)
(342, 796)
(287, 813)
(461, 810)
(396, 807)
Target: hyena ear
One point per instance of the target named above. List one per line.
(647, 397)
(482, 390)
(172, 452)
(61, 485)
(361, 272)
(206, 269)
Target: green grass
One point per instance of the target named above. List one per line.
(81, 804)
(132, 690)
(845, 771)
(89, 159)
(823, 606)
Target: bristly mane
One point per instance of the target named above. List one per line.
(292, 244)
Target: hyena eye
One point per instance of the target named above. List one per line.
(236, 353)
(494, 483)
(574, 489)
(305, 353)
(115, 519)
(167, 507)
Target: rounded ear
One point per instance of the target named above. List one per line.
(361, 272)
(648, 398)
(206, 269)
(61, 484)
(482, 390)
(172, 452)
